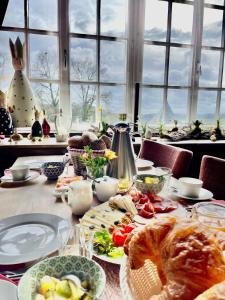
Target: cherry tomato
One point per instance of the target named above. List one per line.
(129, 227)
(119, 237)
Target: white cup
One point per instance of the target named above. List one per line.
(190, 187)
(106, 187)
(19, 172)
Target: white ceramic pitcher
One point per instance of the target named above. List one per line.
(80, 196)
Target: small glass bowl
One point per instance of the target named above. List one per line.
(209, 214)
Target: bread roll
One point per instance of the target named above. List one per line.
(76, 142)
(106, 140)
(88, 137)
(98, 145)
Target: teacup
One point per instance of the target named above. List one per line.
(19, 172)
(106, 187)
(190, 187)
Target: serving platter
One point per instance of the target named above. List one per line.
(103, 216)
(28, 237)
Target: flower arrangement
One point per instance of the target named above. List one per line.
(96, 164)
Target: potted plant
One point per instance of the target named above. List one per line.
(96, 165)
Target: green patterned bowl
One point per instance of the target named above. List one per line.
(59, 266)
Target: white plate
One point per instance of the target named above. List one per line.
(143, 164)
(203, 195)
(26, 238)
(31, 175)
(116, 261)
(8, 290)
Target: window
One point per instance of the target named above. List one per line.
(37, 24)
(98, 55)
(83, 55)
(183, 61)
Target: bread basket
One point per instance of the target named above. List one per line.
(139, 284)
(79, 167)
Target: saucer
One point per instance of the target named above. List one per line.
(203, 195)
(143, 164)
(31, 175)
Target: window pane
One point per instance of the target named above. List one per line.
(113, 17)
(113, 103)
(6, 68)
(82, 16)
(151, 106)
(44, 57)
(43, 14)
(113, 61)
(209, 68)
(82, 59)
(14, 16)
(182, 19)
(48, 97)
(217, 2)
(155, 26)
(180, 64)
(176, 107)
(206, 106)
(83, 101)
(222, 106)
(212, 27)
(154, 64)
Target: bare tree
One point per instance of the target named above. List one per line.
(85, 70)
(47, 92)
(82, 70)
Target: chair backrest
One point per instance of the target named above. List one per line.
(163, 155)
(212, 173)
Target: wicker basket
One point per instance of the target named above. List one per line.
(139, 284)
(79, 167)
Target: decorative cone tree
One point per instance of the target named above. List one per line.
(20, 98)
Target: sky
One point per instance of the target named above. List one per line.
(82, 14)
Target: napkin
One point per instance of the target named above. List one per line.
(2, 277)
(222, 202)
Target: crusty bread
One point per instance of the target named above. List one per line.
(88, 137)
(106, 140)
(76, 142)
(98, 145)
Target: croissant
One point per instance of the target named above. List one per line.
(188, 256)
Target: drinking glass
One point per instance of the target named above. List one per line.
(211, 215)
(79, 241)
(167, 174)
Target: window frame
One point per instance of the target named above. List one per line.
(134, 56)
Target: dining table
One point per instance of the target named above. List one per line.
(37, 196)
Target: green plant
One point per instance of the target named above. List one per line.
(96, 164)
(161, 130)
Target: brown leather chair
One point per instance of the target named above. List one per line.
(163, 155)
(212, 173)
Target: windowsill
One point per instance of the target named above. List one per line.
(51, 142)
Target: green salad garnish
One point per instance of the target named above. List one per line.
(103, 244)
